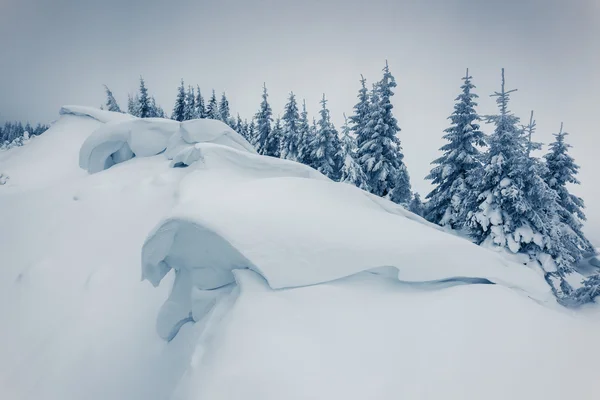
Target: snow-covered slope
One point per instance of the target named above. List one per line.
(394, 307)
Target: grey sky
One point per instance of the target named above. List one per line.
(57, 52)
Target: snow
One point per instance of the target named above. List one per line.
(395, 307)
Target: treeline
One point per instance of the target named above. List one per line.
(490, 187)
(13, 132)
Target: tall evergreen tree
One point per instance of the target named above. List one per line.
(291, 140)
(275, 138)
(111, 103)
(200, 108)
(144, 100)
(380, 153)
(304, 136)
(513, 206)
(446, 200)
(133, 105)
(224, 110)
(351, 171)
(362, 113)
(189, 108)
(264, 117)
(561, 170)
(179, 108)
(212, 110)
(251, 134)
(326, 147)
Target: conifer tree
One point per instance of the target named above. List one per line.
(304, 136)
(264, 117)
(189, 108)
(274, 139)
(362, 112)
(514, 207)
(351, 171)
(133, 105)
(380, 153)
(212, 110)
(446, 200)
(144, 101)
(251, 134)
(111, 103)
(156, 111)
(200, 108)
(291, 141)
(561, 170)
(416, 205)
(179, 109)
(325, 146)
(224, 110)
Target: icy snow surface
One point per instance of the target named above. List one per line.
(396, 308)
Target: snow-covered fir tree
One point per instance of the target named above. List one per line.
(362, 112)
(179, 108)
(460, 156)
(585, 294)
(144, 110)
(212, 109)
(239, 126)
(304, 136)
(224, 110)
(528, 131)
(274, 139)
(200, 108)
(512, 206)
(264, 117)
(326, 146)
(189, 108)
(251, 134)
(156, 111)
(133, 105)
(351, 171)
(561, 170)
(111, 103)
(416, 205)
(379, 152)
(291, 140)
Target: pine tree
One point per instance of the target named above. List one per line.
(304, 136)
(155, 110)
(111, 103)
(264, 118)
(351, 171)
(362, 112)
(446, 200)
(291, 140)
(179, 109)
(325, 146)
(212, 110)
(224, 110)
(513, 206)
(274, 139)
(189, 108)
(200, 108)
(560, 171)
(416, 205)
(143, 101)
(380, 153)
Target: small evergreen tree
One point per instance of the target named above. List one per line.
(111, 103)
(132, 106)
(251, 134)
(416, 205)
(274, 139)
(351, 171)
(212, 110)
(362, 112)
(560, 171)
(189, 108)
(291, 141)
(179, 109)
(304, 136)
(143, 101)
(200, 108)
(224, 110)
(263, 144)
(446, 200)
(325, 146)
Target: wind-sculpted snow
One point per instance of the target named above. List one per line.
(243, 211)
(94, 113)
(118, 142)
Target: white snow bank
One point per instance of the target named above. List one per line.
(118, 142)
(94, 113)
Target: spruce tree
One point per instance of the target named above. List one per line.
(189, 108)
(200, 108)
(224, 110)
(179, 108)
(362, 112)
(351, 172)
(132, 105)
(380, 153)
(304, 136)
(264, 118)
(325, 146)
(251, 134)
(561, 170)
(212, 110)
(143, 101)
(416, 205)
(446, 200)
(274, 139)
(111, 103)
(513, 207)
(291, 140)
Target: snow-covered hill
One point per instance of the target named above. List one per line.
(272, 281)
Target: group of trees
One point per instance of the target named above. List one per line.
(494, 189)
(14, 134)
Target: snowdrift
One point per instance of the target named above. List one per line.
(272, 281)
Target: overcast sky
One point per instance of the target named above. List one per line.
(55, 52)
